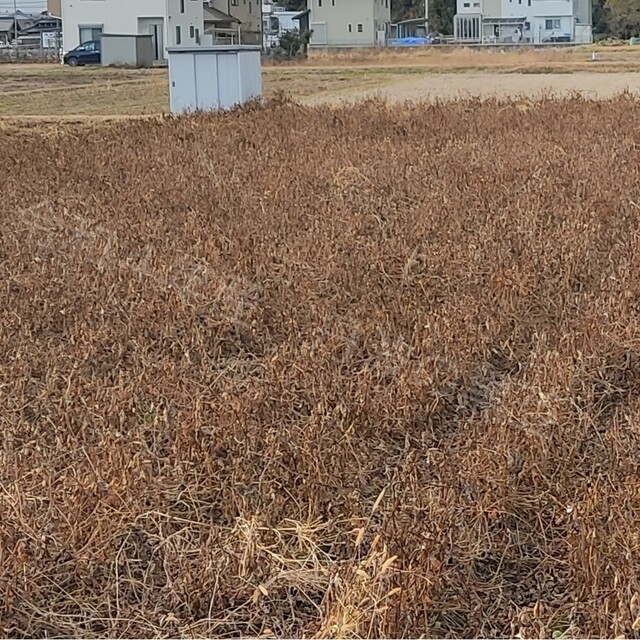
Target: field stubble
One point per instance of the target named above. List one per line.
(356, 372)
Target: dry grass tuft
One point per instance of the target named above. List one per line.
(359, 372)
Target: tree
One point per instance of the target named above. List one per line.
(406, 9)
(295, 5)
(622, 18)
(292, 45)
(441, 14)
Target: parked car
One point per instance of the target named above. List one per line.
(86, 53)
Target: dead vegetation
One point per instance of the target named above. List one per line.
(360, 372)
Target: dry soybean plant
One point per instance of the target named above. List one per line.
(337, 372)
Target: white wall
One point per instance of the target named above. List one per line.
(470, 7)
(382, 15)
(333, 17)
(115, 16)
(190, 21)
(125, 16)
(540, 31)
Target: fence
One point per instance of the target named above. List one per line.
(29, 53)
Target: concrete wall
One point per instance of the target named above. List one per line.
(382, 15)
(119, 50)
(474, 7)
(130, 17)
(188, 17)
(133, 51)
(335, 22)
(583, 10)
(541, 32)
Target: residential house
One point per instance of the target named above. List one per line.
(349, 23)
(46, 32)
(170, 22)
(7, 27)
(220, 27)
(523, 21)
(12, 22)
(247, 12)
(277, 21)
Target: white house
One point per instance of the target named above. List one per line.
(523, 21)
(170, 22)
(247, 12)
(349, 23)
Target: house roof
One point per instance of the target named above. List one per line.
(46, 23)
(6, 24)
(215, 15)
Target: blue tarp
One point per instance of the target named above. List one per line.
(410, 42)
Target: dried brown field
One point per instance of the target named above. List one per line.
(353, 372)
(451, 59)
(37, 91)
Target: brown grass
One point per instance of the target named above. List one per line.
(361, 372)
(470, 58)
(47, 90)
(514, 60)
(54, 90)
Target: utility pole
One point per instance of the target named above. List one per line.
(15, 28)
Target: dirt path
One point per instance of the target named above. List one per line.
(449, 86)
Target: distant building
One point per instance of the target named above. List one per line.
(220, 27)
(349, 23)
(170, 22)
(523, 21)
(45, 32)
(248, 13)
(36, 29)
(276, 21)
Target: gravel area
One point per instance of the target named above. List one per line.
(485, 85)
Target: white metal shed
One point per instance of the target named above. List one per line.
(211, 78)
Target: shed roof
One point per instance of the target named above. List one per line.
(215, 15)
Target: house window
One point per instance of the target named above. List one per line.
(350, 29)
(181, 6)
(197, 36)
(552, 24)
(89, 33)
(476, 4)
(359, 28)
(192, 32)
(178, 35)
(319, 3)
(466, 5)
